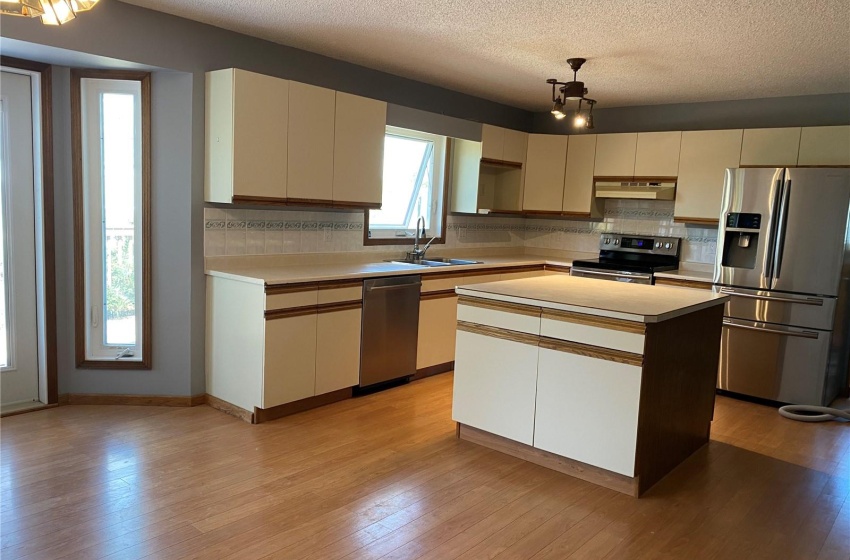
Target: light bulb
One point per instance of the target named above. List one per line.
(558, 109)
(579, 120)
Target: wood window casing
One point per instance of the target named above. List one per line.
(80, 323)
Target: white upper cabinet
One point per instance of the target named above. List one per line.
(515, 146)
(657, 154)
(503, 144)
(770, 147)
(704, 157)
(492, 142)
(311, 142)
(615, 155)
(825, 145)
(544, 174)
(578, 176)
(246, 136)
(360, 126)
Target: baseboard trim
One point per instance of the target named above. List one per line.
(135, 400)
(422, 373)
(34, 408)
(601, 477)
(288, 409)
(229, 408)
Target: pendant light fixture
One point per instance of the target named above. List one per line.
(572, 91)
(52, 12)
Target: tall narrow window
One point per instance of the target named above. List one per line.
(112, 218)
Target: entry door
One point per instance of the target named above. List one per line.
(18, 316)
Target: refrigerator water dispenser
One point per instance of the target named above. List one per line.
(740, 246)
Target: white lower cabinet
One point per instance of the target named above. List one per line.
(437, 319)
(289, 367)
(494, 385)
(587, 409)
(337, 350)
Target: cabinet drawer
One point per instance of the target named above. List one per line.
(285, 298)
(502, 315)
(335, 293)
(603, 332)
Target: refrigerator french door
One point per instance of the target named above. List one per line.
(784, 256)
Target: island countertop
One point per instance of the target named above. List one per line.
(632, 302)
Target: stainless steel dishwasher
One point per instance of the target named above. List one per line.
(390, 329)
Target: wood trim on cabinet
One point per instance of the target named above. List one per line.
(278, 289)
(495, 332)
(557, 268)
(438, 294)
(703, 221)
(339, 306)
(305, 202)
(683, 283)
(571, 467)
(594, 321)
(261, 200)
(231, 409)
(339, 284)
(356, 205)
(589, 351)
(265, 414)
(577, 214)
(48, 228)
(272, 314)
(502, 163)
(542, 213)
(79, 220)
(635, 179)
(505, 306)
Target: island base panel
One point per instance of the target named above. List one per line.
(618, 482)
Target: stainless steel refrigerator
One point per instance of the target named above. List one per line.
(783, 254)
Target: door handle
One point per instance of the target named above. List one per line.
(778, 299)
(580, 271)
(772, 230)
(799, 334)
(782, 225)
(397, 287)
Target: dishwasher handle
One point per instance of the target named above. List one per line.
(393, 287)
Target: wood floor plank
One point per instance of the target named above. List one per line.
(383, 476)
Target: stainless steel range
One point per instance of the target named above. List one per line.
(630, 258)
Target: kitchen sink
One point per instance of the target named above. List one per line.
(437, 261)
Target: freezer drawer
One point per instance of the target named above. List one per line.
(776, 362)
(776, 307)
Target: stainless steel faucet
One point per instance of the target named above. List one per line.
(419, 253)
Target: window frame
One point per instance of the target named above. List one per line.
(442, 213)
(82, 330)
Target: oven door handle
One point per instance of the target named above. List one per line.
(614, 274)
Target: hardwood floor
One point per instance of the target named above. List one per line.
(383, 476)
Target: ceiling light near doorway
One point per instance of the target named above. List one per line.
(572, 91)
(52, 12)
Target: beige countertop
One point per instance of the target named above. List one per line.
(632, 302)
(277, 274)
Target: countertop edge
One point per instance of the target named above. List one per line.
(595, 311)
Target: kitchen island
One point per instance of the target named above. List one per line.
(609, 382)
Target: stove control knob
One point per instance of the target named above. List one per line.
(607, 240)
(616, 242)
(657, 244)
(668, 245)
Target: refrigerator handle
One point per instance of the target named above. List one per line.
(772, 232)
(782, 226)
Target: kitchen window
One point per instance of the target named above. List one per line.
(413, 185)
(111, 145)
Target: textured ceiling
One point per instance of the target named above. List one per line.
(640, 52)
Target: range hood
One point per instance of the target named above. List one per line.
(644, 190)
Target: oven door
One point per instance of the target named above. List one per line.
(617, 276)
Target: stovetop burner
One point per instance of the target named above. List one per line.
(634, 253)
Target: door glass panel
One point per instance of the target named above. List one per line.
(119, 175)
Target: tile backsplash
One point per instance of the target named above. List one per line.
(257, 232)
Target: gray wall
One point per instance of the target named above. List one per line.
(174, 334)
(809, 110)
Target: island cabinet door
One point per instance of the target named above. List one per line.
(587, 409)
(289, 368)
(494, 384)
